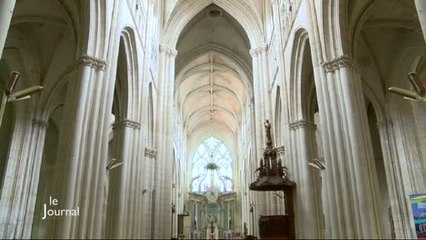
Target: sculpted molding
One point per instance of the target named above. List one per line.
(302, 124)
(343, 61)
(168, 51)
(92, 62)
(151, 153)
(256, 51)
(127, 123)
(86, 60)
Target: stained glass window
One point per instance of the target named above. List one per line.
(212, 167)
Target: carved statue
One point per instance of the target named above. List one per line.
(268, 133)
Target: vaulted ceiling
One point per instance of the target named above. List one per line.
(213, 81)
(378, 26)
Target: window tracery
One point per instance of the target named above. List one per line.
(212, 167)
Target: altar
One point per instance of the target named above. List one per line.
(212, 215)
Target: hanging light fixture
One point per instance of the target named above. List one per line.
(113, 163)
(420, 89)
(272, 175)
(10, 95)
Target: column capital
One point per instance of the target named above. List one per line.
(343, 61)
(40, 123)
(86, 60)
(302, 124)
(92, 62)
(168, 51)
(126, 123)
(150, 153)
(256, 51)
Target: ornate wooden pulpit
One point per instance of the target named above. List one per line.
(272, 176)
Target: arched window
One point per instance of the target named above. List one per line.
(212, 167)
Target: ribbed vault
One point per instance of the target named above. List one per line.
(213, 82)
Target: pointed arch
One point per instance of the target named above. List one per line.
(239, 9)
(303, 134)
(301, 39)
(126, 82)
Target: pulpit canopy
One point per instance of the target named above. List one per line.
(272, 176)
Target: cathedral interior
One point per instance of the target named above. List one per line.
(155, 119)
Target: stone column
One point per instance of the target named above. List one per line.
(138, 154)
(121, 209)
(258, 109)
(262, 111)
(40, 130)
(147, 192)
(280, 208)
(266, 105)
(421, 12)
(132, 186)
(164, 143)
(332, 217)
(20, 192)
(261, 84)
(83, 150)
(21, 178)
(306, 200)
(259, 140)
(196, 201)
(265, 79)
(398, 193)
(6, 11)
(350, 184)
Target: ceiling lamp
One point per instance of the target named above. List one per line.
(10, 95)
(420, 89)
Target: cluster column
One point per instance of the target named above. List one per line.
(6, 11)
(262, 111)
(395, 172)
(259, 118)
(83, 151)
(38, 138)
(164, 143)
(123, 184)
(307, 202)
(350, 184)
(421, 12)
(150, 156)
(19, 193)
